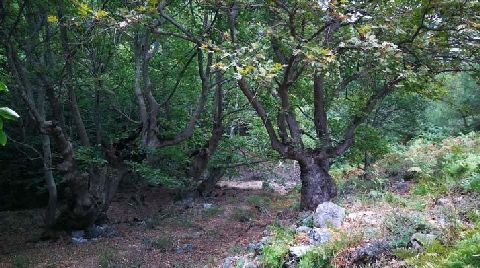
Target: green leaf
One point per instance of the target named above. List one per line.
(1, 124)
(8, 113)
(3, 87)
(3, 138)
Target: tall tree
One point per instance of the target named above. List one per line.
(320, 55)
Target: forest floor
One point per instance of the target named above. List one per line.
(162, 232)
(155, 232)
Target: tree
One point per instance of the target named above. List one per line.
(336, 60)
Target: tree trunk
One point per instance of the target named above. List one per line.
(98, 122)
(51, 211)
(68, 55)
(317, 184)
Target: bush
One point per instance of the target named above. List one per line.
(107, 258)
(465, 253)
(242, 214)
(274, 253)
(214, 211)
(260, 202)
(471, 183)
(21, 261)
(318, 257)
(402, 226)
(331, 254)
(162, 243)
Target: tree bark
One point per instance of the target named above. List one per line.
(51, 211)
(202, 158)
(317, 184)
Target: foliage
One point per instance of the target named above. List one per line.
(274, 252)
(402, 226)
(464, 253)
(214, 211)
(162, 243)
(5, 114)
(260, 202)
(330, 254)
(107, 258)
(370, 142)
(21, 261)
(89, 157)
(242, 214)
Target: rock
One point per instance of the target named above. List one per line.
(419, 240)
(411, 173)
(328, 213)
(78, 240)
(207, 206)
(183, 248)
(258, 246)
(78, 234)
(104, 230)
(444, 201)
(228, 262)
(364, 217)
(401, 187)
(255, 247)
(303, 229)
(319, 235)
(370, 252)
(299, 250)
(245, 261)
(305, 218)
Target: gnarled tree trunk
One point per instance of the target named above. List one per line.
(317, 184)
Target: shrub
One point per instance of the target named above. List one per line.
(262, 203)
(214, 211)
(318, 257)
(162, 243)
(331, 254)
(471, 183)
(107, 258)
(402, 226)
(242, 214)
(465, 253)
(274, 253)
(20, 261)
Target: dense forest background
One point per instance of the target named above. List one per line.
(106, 97)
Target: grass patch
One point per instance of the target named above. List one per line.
(236, 250)
(242, 214)
(21, 261)
(464, 253)
(275, 251)
(107, 258)
(214, 211)
(163, 243)
(260, 202)
(402, 226)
